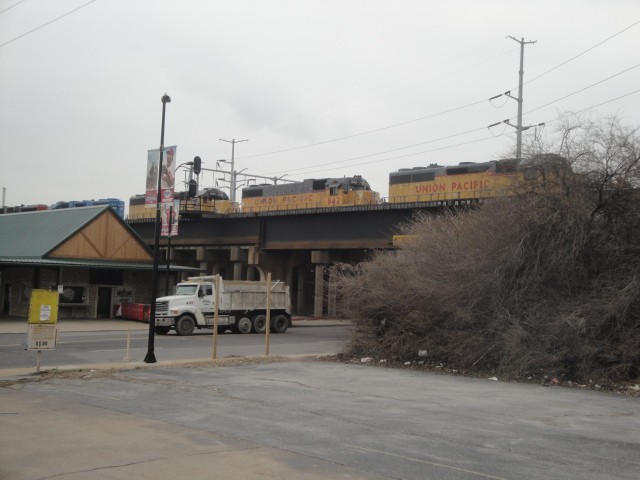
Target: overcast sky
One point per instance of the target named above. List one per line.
(320, 88)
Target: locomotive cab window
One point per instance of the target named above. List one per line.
(530, 174)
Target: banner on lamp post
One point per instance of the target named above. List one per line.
(170, 225)
(168, 178)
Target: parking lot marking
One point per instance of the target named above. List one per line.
(440, 465)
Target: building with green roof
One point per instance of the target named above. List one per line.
(90, 254)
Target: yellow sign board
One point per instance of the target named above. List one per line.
(43, 307)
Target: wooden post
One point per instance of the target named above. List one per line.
(127, 355)
(38, 357)
(216, 308)
(268, 321)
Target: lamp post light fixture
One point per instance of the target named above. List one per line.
(151, 358)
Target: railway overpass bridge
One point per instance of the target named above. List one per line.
(296, 246)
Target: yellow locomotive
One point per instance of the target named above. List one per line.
(210, 200)
(466, 181)
(309, 194)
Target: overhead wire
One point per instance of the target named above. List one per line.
(392, 82)
(45, 24)
(582, 53)
(395, 149)
(421, 83)
(363, 133)
(444, 138)
(583, 89)
(593, 106)
(9, 8)
(467, 131)
(575, 56)
(446, 111)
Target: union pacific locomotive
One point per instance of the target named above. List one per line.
(210, 200)
(468, 181)
(311, 193)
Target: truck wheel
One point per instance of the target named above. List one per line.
(185, 325)
(259, 323)
(162, 330)
(243, 325)
(279, 324)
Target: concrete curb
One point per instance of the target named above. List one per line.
(24, 373)
(17, 326)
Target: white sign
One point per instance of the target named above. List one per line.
(42, 337)
(45, 313)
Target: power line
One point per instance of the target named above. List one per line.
(429, 116)
(311, 112)
(575, 56)
(473, 130)
(585, 88)
(9, 8)
(45, 24)
(448, 146)
(450, 110)
(422, 83)
(420, 153)
(586, 51)
(365, 133)
(594, 106)
(398, 149)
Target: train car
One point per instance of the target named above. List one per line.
(209, 200)
(116, 204)
(24, 208)
(310, 193)
(137, 210)
(466, 181)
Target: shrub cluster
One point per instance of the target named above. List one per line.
(545, 282)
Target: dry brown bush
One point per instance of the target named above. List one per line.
(544, 282)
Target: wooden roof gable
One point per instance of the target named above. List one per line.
(106, 237)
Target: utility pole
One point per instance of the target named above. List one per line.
(519, 127)
(233, 172)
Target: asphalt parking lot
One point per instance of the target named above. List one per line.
(310, 419)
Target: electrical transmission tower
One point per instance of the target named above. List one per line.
(519, 128)
(234, 174)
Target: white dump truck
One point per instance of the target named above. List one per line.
(242, 307)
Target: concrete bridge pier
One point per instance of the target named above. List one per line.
(320, 258)
(238, 258)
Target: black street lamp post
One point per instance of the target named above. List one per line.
(151, 358)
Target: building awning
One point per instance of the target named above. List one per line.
(82, 263)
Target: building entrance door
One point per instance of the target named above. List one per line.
(6, 298)
(104, 302)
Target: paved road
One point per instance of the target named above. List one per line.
(312, 420)
(82, 348)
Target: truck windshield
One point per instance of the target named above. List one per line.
(186, 289)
